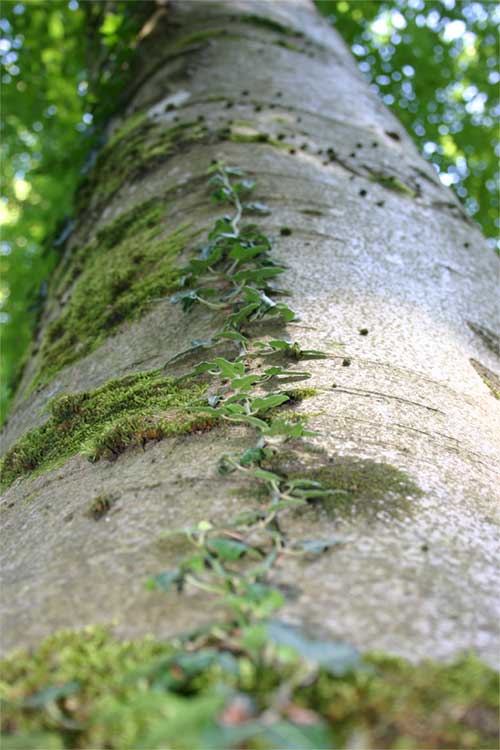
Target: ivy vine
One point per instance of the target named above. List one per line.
(235, 274)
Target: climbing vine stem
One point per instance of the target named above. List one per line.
(234, 272)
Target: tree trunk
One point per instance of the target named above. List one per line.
(388, 276)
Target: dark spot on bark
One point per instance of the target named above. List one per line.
(281, 136)
(229, 104)
(285, 231)
(244, 93)
(304, 147)
(257, 108)
(374, 144)
(292, 151)
(352, 155)
(359, 145)
(362, 192)
(363, 331)
(466, 244)
(279, 93)
(392, 134)
(346, 362)
(380, 203)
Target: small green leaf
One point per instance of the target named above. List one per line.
(244, 382)
(165, 580)
(336, 657)
(232, 336)
(227, 549)
(229, 369)
(257, 208)
(259, 405)
(51, 694)
(266, 476)
(317, 546)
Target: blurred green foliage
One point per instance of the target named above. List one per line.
(434, 62)
(63, 64)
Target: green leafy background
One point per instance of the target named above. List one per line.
(434, 62)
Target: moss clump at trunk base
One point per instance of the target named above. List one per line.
(103, 422)
(87, 690)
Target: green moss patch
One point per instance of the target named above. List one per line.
(393, 183)
(87, 689)
(100, 506)
(138, 146)
(360, 486)
(112, 280)
(296, 395)
(199, 37)
(268, 23)
(103, 422)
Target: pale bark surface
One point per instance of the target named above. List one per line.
(412, 270)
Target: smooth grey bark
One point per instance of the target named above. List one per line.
(412, 270)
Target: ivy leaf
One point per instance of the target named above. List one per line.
(258, 275)
(268, 402)
(244, 186)
(222, 228)
(251, 456)
(279, 344)
(244, 382)
(166, 580)
(336, 657)
(246, 252)
(50, 694)
(275, 371)
(232, 336)
(257, 208)
(203, 367)
(243, 314)
(227, 549)
(187, 299)
(285, 312)
(236, 171)
(217, 166)
(266, 476)
(229, 369)
(234, 409)
(222, 195)
(255, 422)
(317, 546)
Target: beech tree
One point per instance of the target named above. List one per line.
(272, 326)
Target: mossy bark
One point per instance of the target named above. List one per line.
(389, 277)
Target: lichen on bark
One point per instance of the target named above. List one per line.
(359, 487)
